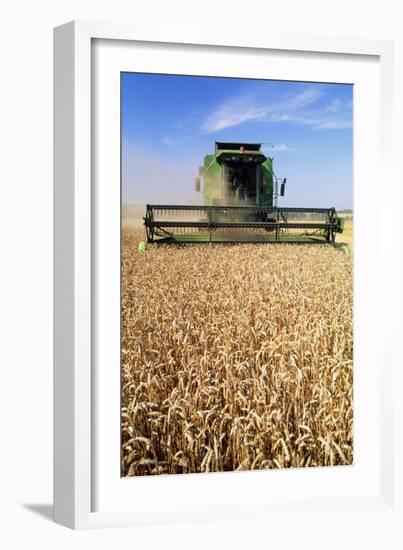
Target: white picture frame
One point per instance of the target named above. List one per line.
(81, 246)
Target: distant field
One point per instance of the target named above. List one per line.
(132, 216)
(347, 235)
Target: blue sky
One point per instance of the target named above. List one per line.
(170, 122)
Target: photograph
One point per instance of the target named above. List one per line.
(236, 288)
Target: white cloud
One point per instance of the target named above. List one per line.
(317, 120)
(300, 108)
(334, 124)
(281, 147)
(232, 115)
(299, 100)
(334, 105)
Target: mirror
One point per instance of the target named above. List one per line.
(282, 188)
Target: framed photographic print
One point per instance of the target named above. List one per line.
(235, 356)
(221, 339)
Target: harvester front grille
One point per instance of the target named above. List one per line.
(226, 224)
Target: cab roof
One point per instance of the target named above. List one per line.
(236, 146)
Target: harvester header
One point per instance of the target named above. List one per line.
(240, 196)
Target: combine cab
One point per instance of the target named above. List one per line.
(240, 205)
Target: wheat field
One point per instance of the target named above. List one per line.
(235, 357)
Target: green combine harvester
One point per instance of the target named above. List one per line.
(240, 193)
